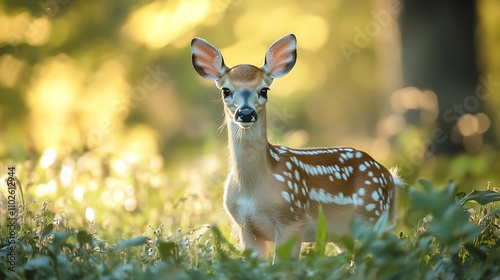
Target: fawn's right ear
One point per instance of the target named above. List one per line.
(207, 60)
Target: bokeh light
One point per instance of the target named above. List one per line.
(90, 214)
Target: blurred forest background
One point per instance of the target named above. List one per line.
(104, 116)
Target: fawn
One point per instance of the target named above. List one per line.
(273, 193)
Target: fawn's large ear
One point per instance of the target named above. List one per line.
(207, 60)
(281, 56)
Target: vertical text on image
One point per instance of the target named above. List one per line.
(12, 217)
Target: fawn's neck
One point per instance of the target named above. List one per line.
(249, 150)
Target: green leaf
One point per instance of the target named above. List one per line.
(284, 252)
(127, 243)
(39, 262)
(348, 242)
(460, 195)
(434, 201)
(427, 184)
(489, 214)
(321, 233)
(60, 237)
(84, 237)
(169, 250)
(454, 228)
(222, 245)
(482, 197)
(418, 200)
(58, 241)
(357, 229)
(382, 222)
(47, 229)
(451, 189)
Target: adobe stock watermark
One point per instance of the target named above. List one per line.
(485, 89)
(222, 6)
(11, 218)
(364, 35)
(52, 7)
(151, 81)
(49, 8)
(278, 118)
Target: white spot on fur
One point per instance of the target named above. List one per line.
(325, 169)
(361, 191)
(320, 195)
(370, 207)
(279, 177)
(313, 152)
(286, 196)
(307, 168)
(362, 167)
(274, 155)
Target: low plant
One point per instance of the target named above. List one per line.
(448, 235)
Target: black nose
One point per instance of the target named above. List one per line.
(246, 114)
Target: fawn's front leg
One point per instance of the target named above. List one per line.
(249, 241)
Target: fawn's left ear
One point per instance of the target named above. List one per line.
(207, 60)
(281, 56)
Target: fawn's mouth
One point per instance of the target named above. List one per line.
(244, 125)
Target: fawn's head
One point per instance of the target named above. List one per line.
(244, 87)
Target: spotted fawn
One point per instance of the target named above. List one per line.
(272, 192)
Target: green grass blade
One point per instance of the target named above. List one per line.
(321, 233)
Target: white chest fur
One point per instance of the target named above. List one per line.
(250, 212)
(247, 207)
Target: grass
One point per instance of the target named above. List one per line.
(445, 234)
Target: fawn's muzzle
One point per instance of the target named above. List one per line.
(245, 114)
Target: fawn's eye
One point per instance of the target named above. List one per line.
(263, 92)
(226, 92)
